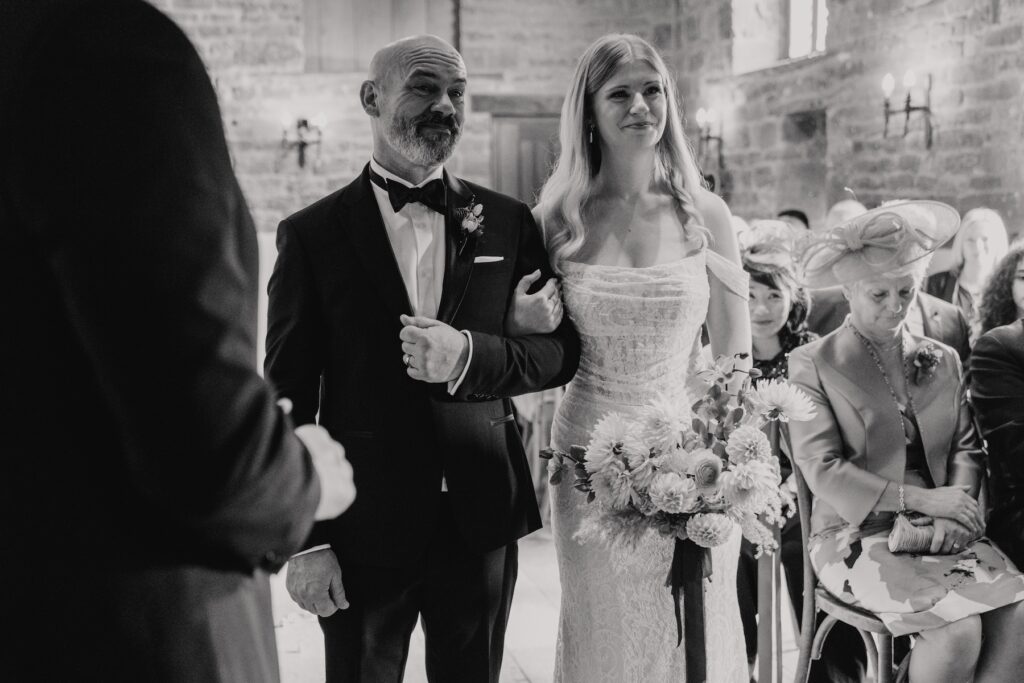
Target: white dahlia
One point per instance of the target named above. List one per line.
(748, 443)
(610, 432)
(784, 401)
(673, 493)
(709, 530)
(663, 425)
(613, 485)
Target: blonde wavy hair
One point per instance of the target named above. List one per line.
(570, 186)
(999, 244)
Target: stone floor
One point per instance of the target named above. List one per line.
(530, 641)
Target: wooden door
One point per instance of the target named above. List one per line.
(525, 149)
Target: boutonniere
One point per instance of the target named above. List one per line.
(471, 220)
(926, 359)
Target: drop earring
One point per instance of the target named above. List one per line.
(591, 134)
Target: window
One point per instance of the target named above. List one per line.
(808, 20)
(766, 32)
(342, 35)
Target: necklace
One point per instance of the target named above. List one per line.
(909, 430)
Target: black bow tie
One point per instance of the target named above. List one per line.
(431, 195)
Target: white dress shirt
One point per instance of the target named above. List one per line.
(417, 237)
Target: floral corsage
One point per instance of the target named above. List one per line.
(471, 220)
(926, 360)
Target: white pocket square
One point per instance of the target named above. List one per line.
(488, 259)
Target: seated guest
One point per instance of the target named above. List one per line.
(842, 211)
(894, 461)
(778, 313)
(997, 392)
(979, 244)
(1002, 301)
(795, 218)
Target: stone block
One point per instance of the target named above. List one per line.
(1006, 36)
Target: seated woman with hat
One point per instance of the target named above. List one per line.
(894, 461)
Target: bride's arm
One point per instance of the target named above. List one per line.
(728, 312)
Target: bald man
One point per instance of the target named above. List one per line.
(842, 211)
(387, 306)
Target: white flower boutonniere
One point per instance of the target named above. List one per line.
(471, 220)
(926, 360)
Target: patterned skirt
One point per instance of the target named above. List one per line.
(912, 593)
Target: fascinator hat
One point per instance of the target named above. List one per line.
(769, 243)
(883, 241)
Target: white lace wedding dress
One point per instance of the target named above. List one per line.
(640, 333)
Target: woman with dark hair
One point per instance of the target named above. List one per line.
(1002, 302)
(778, 322)
(778, 305)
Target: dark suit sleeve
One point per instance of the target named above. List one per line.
(295, 329)
(997, 392)
(133, 203)
(510, 366)
(963, 337)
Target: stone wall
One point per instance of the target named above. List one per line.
(974, 51)
(795, 134)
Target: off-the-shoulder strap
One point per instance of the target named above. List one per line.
(735, 279)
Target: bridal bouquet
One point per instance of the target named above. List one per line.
(692, 474)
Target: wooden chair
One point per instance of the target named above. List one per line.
(817, 598)
(769, 597)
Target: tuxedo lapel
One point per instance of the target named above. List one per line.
(365, 228)
(460, 248)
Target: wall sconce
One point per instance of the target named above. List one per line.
(305, 134)
(706, 120)
(909, 80)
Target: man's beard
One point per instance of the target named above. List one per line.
(424, 150)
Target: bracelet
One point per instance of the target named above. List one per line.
(903, 505)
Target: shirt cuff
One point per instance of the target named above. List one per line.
(453, 385)
(312, 550)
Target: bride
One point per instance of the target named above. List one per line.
(646, 256)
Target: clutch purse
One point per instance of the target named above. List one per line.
(911, 533)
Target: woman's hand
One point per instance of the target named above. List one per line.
(950, 502)
(950, 537)
(538, 313)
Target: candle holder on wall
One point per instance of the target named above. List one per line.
(711, 161)
(924, 110)
(707, 120)
(303, 136)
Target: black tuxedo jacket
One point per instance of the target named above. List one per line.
(147, 479)
(336, 295)
(943, 284)
(997, 392)
(942, 320)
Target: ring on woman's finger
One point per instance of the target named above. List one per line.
(406, 359)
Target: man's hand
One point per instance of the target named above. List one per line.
(950, 537)
(314, 582)
(537, 313)
(337, 491)
(434, 352)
